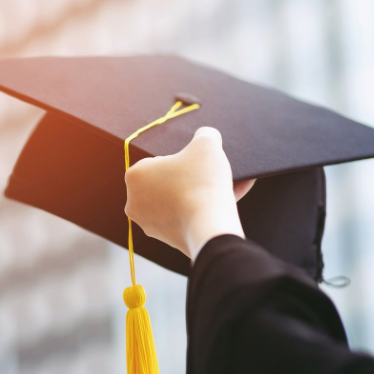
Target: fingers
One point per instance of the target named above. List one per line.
(242, 188)
(206, 141)
(209, 133)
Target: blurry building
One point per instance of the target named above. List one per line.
(61, 308)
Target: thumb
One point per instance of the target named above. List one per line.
(209, 133)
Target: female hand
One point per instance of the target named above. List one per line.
(187, 198)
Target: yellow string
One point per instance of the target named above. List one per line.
(141, 353)
(170, 114)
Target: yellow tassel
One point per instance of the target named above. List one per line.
(140, 348)
(141, 353)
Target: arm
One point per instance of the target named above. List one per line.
(249, 312)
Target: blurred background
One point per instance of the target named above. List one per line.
(61, 308)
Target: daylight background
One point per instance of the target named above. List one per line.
(61, 308)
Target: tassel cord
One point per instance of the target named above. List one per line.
(141, 354)
(172, 113)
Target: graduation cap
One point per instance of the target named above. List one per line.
(72, 165)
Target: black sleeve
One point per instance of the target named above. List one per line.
(248, 312)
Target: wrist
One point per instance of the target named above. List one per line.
(206, 224)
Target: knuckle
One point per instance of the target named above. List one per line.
(135, 170)
(128, 210)
(208, 132)
(129, 175)
(148, 232)
(141, 163)
(203, 138)
(131, 211)
(205, 144)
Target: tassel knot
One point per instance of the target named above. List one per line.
(134, 296)
(140, 347)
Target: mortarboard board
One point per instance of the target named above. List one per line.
(72, 165)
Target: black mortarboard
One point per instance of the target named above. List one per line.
(73, 163)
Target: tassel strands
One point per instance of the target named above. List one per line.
(141, 354)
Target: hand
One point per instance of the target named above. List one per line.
(187, 198)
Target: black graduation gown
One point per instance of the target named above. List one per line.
(249, 312)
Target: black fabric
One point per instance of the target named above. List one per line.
(265, 132)
(73, 164)
(248, 312)
(286, 215)
(54, 173)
